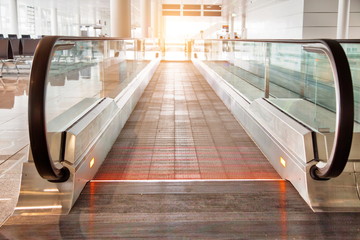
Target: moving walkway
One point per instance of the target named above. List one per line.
(294, 98)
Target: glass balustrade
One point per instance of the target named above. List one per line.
(296, 77)
(82, 72)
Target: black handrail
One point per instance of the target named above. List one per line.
(36, 113)
(344, 105)
(344, 117)
(36, 107)
(348, 40)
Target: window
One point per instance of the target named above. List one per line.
(191, 10)
(5, 26)
(26, 16)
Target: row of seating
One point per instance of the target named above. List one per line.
(15, 36)
(16, 51)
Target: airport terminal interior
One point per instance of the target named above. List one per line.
(179, 119)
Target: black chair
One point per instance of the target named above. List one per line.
(6, 49)
(29, 46)
(6, 53)
(16, 46)
(25, 36)
(1, 36)
(12, 36)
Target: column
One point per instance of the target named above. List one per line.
(54, 22)
(343, 19)
(243, 13)
(232, 23)
(155, 19)
(145, 6)
(81, 32)
(243, 26)
(120, 18)
(14, 28)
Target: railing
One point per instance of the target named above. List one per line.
(69, 76)
(352, 51)
(298, 77)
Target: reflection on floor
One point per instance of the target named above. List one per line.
(14, 138)
(180, 129)
(13, 112)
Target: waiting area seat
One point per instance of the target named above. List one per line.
(6, 53)
(22, 51)
(12, 36)
(27, 47)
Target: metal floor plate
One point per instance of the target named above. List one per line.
(187, 210)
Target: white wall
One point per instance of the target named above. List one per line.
(320, 19)
(274, 19)
(286, 19)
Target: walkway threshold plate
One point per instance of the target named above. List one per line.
(188, 180)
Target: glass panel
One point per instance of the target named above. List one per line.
(240, 63)
(82, 72)
(352, 51)
(296, 78)
(302, 85)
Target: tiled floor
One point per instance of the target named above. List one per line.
(13, 114)
(180, 129)
(14, 138)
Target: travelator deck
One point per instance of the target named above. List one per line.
(180, 129)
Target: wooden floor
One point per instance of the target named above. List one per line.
(180, 129)
(187, 210)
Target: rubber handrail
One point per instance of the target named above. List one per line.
(344, 105)
(344, 115)
(348, 40)
(36, 113)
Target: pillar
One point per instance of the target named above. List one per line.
(155, 19)
(80, 30)
(120, 18)
(145, 6)
(232, 23)
(14, 28)
(243, 26)
(343, 19)
(243, 13)
(54, 22)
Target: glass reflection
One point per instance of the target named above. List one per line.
(296, 80)
(82, 72)
(352, 51)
